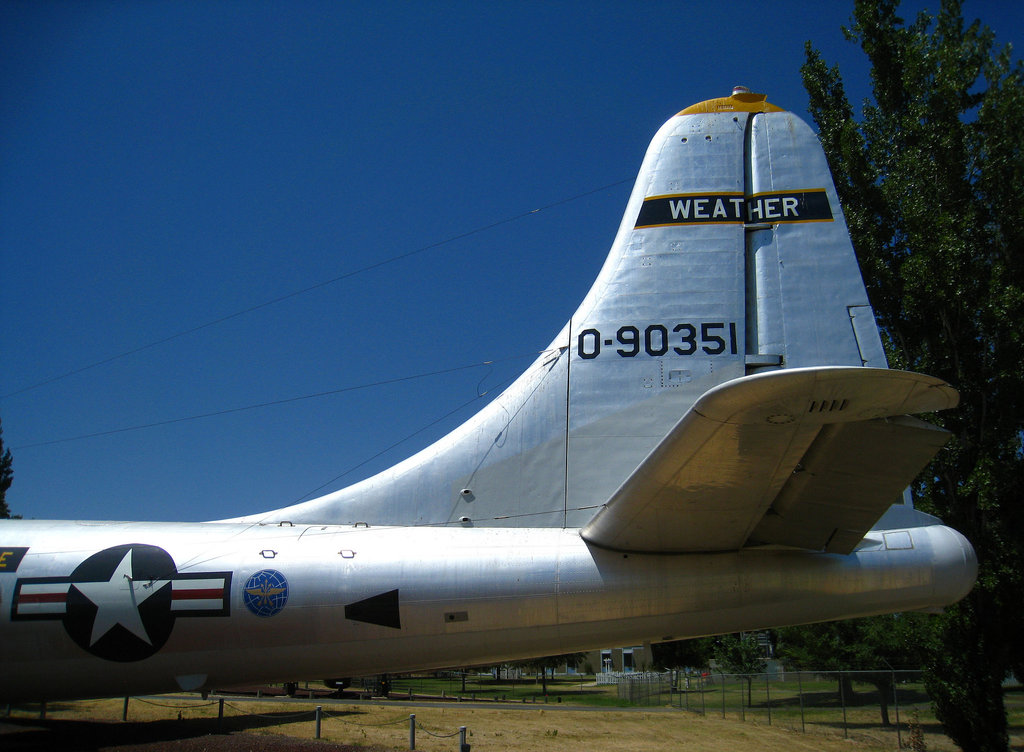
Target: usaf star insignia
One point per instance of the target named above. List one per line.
(121, 603)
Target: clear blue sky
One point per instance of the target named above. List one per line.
(164, 165)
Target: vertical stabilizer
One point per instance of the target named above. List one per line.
(732, 258)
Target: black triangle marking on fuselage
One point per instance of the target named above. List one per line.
(377, 609)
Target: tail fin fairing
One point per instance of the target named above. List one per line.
(732, 259)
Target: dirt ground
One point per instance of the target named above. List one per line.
(189, 724)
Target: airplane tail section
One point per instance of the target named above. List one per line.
(720, 393)
(732, 259)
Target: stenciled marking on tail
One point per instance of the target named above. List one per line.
(734, 208)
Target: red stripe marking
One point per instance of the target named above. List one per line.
(42, 597)
(194, 595)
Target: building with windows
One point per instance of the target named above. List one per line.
(618, 660)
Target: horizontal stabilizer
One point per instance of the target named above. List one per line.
(808, 457)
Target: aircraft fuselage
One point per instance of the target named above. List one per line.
(118, 608)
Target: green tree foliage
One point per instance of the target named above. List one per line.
(6, 476)
(874, 647)
(550, 663)
(741, 654)
(931, 178)
(693, 653)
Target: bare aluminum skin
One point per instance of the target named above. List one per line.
(705, 447)
(557, 443)
(466, 597)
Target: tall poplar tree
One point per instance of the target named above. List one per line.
(931, 179)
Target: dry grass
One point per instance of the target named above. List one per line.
(529, 729)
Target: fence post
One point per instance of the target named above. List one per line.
(124, 711)
(800, 691)
(463, 747)
(743, 705)
(220, 712)
(319, 712)
(723, 694)
(842, 699)
(768, 694)
(899, 735)
(412, 731)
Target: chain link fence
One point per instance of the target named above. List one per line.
(846, 703)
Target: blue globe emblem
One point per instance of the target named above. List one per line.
(265, 592)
